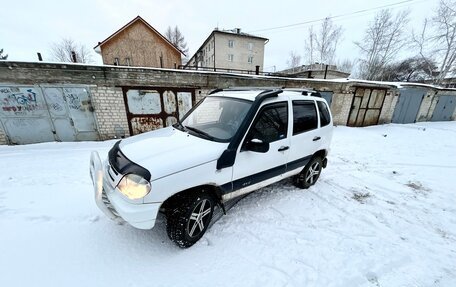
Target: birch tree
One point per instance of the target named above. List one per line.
(321, 44)
(383, 39)
(437, 41)
(294, 60)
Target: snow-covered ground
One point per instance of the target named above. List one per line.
(382, 214)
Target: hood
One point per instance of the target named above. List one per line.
(168, 150)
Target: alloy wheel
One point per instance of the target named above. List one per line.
(312, 173)
(199, 218)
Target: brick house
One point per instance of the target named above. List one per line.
(139, 44)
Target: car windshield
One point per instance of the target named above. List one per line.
(217, 118)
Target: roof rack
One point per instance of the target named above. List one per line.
(306, 92)
(245, 89)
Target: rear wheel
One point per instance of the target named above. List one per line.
(310, 174)
(189, 218)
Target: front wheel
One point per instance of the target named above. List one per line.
(189, 218)
(310, 174)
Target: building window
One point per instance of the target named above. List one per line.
(127, 61)
(230, 43)
(250, 59)
(116, 61)
(230, 57)
(250, 46)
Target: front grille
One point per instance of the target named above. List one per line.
(107, 202)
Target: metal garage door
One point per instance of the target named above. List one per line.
(366, 107)
(444, 108)
(33, 114)
(408, 105)
(327, 96)
(156, 107)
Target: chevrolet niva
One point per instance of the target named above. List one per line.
(231, 143)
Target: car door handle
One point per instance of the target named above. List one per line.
(283, 148)
(316, 139)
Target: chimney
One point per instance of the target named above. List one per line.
(73, 56)
(238, 30)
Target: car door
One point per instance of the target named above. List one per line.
(306, 137)
(252, 169)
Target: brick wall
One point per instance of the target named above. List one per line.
(3, 139)
(110, 113)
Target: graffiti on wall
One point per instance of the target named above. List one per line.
(19, 101)
(72, 97)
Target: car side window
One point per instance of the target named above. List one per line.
(325, 118)
(271, 124)
(304, 116)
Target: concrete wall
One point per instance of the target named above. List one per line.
(142, 46)
(340, 107)
(106, 83)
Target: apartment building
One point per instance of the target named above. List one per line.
(229, 50)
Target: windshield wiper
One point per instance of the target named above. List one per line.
(206, 135)
(179, 126)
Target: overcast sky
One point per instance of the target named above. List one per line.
(27, 27)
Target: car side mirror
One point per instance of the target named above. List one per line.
(257, 145)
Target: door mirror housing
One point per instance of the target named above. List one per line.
(257, 145)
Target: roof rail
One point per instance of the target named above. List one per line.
(306, 92)
(268, 94)
(215, 91)
(252, 88)
(245, 89)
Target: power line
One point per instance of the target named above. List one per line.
(336, 16)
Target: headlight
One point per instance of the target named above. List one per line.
(134, 186)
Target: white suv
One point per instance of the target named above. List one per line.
(231, 143)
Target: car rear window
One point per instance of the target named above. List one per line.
(325, 118)
(304, 116)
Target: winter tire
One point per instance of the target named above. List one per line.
(310, 174)
(189, 218)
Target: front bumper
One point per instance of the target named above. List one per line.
(110, 201)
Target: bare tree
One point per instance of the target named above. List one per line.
(174, 35)
(382, 41)
(309, 46)
(437, 40)
(321, 44)
(3, 57)
(345, 65)
(294, 60)
(62, 51)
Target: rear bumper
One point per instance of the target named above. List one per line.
(110, 201)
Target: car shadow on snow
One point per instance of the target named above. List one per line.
(157, 239)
